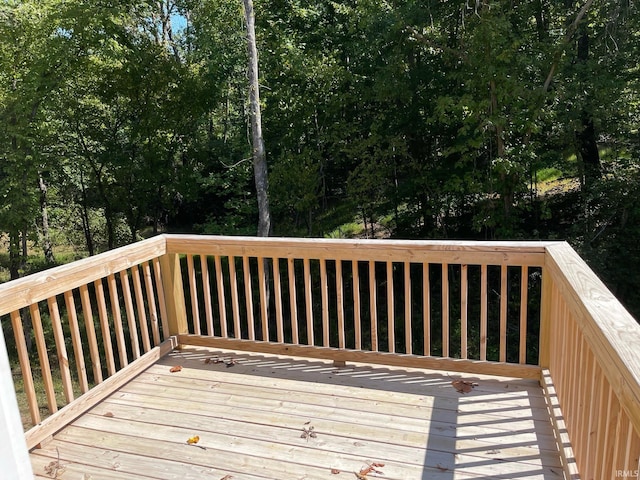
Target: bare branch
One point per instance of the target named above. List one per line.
(567, 38)
(427, 41)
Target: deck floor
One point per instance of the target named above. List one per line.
(249, 416)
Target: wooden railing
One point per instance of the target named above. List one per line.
(101, 314)
(524, 309)
(456, 306)
(591, 369)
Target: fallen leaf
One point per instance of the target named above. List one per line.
(193, 440)
(359, 476)
(54, 469)
(175, 369)
(372, 467)
(441, 468)
(108, 415)
(307, 432)
(227, 477)
(335, 471)
(231, 362)
(463, 386)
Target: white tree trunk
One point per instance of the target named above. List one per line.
(260, 172)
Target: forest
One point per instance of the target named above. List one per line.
(475, 119)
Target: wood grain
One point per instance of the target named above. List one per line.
(250, 419)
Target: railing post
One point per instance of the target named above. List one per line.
(546, 311)
(174, 293)
(14, 456)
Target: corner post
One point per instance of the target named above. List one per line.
(174, 294)
(546, 312)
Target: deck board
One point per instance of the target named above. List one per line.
(250, 415)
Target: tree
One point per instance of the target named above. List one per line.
(260, 171)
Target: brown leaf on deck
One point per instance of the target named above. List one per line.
(55, 469)
(335, 471)
(307, 432)
(371, 468)
(108, 415)
(441, 468)
(463, 386)
(227, 477)
(175, 369)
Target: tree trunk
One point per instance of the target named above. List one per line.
(506, 189)
(260, 171)
(24, 248)
(14, 254)
(86, 224)
(46, 239)
(259, 155)
(586, 137)
(111, 232)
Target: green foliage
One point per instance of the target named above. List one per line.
(414, 119)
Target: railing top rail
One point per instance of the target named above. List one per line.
(452, 251)
(40, 286)
(613, 334)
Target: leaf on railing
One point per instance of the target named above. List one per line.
(175, 369)
(463, 386)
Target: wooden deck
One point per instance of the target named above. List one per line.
(249, 412)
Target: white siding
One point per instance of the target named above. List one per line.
(14, 457)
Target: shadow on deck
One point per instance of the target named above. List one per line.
(249, 411)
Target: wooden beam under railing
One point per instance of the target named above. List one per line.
(513, 370)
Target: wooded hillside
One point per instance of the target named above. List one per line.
(411, 119)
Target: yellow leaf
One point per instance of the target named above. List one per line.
(193, 440)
